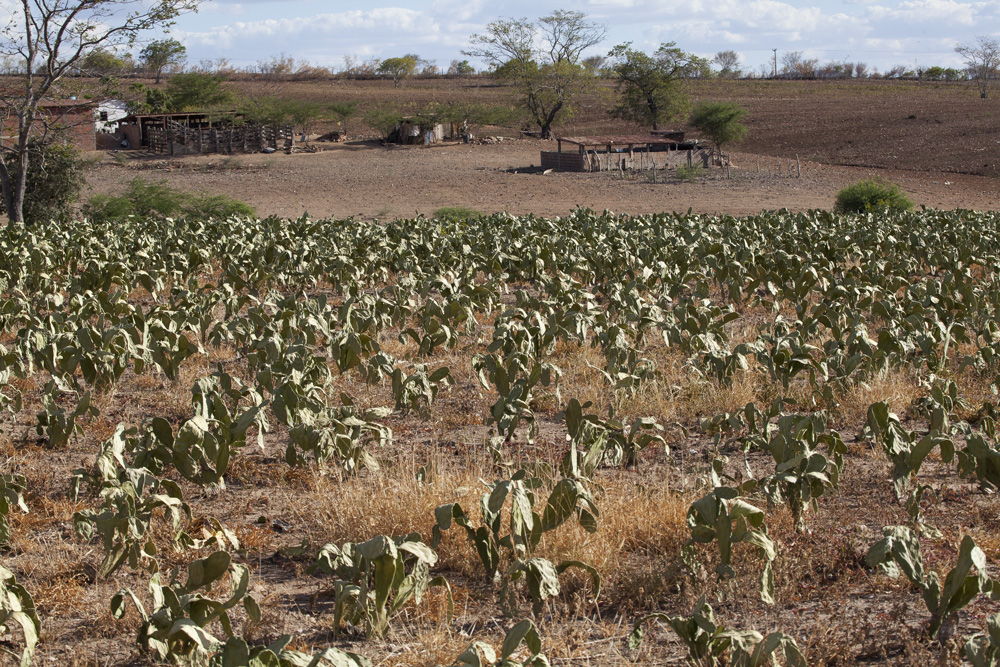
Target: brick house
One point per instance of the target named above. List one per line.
(72, 119)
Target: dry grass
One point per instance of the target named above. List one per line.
(837, 609)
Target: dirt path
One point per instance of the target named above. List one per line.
(370, 181)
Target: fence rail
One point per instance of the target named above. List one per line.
(178, 139)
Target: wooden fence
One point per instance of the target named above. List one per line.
(178, 139)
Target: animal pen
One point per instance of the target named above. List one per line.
(176, 139)
(183, 134)
(624, 152)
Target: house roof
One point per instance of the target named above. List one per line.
(619, 140)
(61, 104)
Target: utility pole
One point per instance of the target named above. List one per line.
(775, 63)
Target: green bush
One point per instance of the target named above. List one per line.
(689, 172)
(219, 206)
(872, 195)
(383, 120)
(158, 199)
(720, 121)
(55, 177)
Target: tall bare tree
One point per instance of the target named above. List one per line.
(982, 60)
(49, 38)
(542, 59)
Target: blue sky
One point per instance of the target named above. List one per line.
(881, 33)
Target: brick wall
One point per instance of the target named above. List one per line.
(77, 124)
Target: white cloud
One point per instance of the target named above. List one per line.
(457, 10)
(873, 31)
(379, 31)
(936, 12)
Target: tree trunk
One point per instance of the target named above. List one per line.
(15, 181)
(15, 208)
(545, 123)
(5, 187)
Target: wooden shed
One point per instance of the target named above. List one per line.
(408, 131)
(196, 133)
(600, 153)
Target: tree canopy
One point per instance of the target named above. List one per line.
(720, 121)
(158, 55)
(541, 60)
(400, 68)
(982, 60)
(650, 87)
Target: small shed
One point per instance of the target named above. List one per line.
(601, 153)
(408, 131)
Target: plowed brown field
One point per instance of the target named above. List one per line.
(939, 141)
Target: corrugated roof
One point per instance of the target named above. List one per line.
(618, 140)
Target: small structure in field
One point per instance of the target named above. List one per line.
(70, 121)
(616, 152)
(409, 131)
(108, 114)
(196, 133)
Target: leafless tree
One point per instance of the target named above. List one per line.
(982, 60)
(791, 61)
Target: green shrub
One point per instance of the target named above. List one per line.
(872, 195)
(55, 177)
(383, 120)
(158, 199)
(689, 172)
(720, 121)
(220, 206)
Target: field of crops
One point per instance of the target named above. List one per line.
(588, 440)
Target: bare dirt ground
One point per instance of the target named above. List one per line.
(366, 180)
(938, 141)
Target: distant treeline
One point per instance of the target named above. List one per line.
(790, 65)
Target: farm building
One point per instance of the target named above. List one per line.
(606, 152)
(408, 131)
(187, 133)
(108, 113)
(72, 120)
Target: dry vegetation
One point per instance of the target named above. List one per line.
(839, 610)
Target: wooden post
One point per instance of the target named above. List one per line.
(758, 164)
(728, 164)
(689, 157)
(798, 167)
